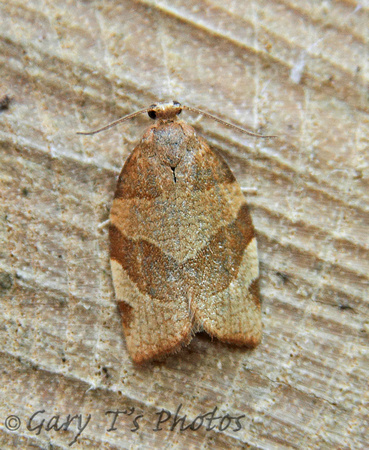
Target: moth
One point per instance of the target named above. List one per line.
(182, 243)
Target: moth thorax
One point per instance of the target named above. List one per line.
(170, 143)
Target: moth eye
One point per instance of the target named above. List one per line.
(178, 105)
(152, 114)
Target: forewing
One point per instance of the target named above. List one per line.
(223, 272)
(147, 281)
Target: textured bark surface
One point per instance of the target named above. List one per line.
(298, 69)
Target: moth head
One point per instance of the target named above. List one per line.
(165, 110)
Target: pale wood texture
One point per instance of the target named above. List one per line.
(298, 69)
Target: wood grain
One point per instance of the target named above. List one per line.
(298, 69)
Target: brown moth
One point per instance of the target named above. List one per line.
(183, 248)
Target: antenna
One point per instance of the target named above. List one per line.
(112, 124)
(227, 124)
(173, 110)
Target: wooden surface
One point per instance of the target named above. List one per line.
(298, 69)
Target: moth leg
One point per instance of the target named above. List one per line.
(103, 225)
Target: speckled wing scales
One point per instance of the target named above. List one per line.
(226, 303)
(183, 251)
